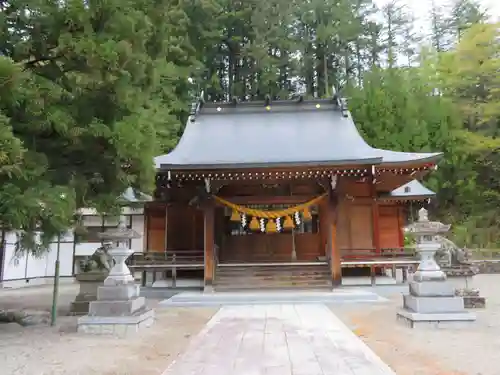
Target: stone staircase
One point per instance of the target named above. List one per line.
(272, 277)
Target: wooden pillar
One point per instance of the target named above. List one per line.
(209, 240)
(375, 216)
(401, 236)
(323, 228)
(334, 251)
(145, 237)
(166, 229)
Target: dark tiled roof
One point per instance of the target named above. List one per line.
(288, 133)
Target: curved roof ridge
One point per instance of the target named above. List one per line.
(307, 133)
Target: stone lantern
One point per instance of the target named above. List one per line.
(118, 309)
(424, 232)
(431, 299)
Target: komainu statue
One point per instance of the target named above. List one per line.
(99, 261)
(450, 255)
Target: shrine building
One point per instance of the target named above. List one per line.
(289, 186)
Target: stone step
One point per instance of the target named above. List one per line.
(263, 283)
(247, 296)
(265, 273)
(256, 282)
(272, 272)
(269, 275)
(263, 259)
(272, 286)
(116, 308)
(272, 277)
(284, 267)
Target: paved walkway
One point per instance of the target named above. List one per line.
(277, 340)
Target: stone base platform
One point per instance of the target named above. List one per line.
(341, 295)
(436, 320)
(116, 325)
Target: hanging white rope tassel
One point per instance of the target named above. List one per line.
(296, 216)
(278, 224)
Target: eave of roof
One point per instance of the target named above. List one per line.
(285, 134)
(411, 190)
(130, 196)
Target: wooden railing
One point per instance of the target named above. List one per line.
(371, 253)
(172, 261)
(171, 257)
(394, 258)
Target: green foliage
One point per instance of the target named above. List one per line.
(409, 241)
(91, 91)
(87, 100)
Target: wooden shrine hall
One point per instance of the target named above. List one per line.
(281, 192)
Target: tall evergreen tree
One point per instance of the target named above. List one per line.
(464, 14)
(94, 90)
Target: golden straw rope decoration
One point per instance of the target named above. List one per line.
(288, 224)
(271, 226)
(306, 214)
(235, 216)
(270, 214)
(254, 224)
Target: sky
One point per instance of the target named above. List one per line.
(421, 8)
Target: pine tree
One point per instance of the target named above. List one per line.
(440, 28)
(395, 19)
(464, 14)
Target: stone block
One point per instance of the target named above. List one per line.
(118, 293)
(79, 307)
(121, 329)
(426, 305)
(436, 320)
(116, 326)
(116, 308)
(474, 302)
(432, 289)
(88, 285)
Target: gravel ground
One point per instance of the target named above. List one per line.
(44, 350)
(59, 350)
(472, 350)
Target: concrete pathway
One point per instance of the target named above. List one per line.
(277, 340)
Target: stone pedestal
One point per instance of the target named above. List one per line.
(462, 277)
(433, 303)
(118, 310)
(88, 282)
(431, 300)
